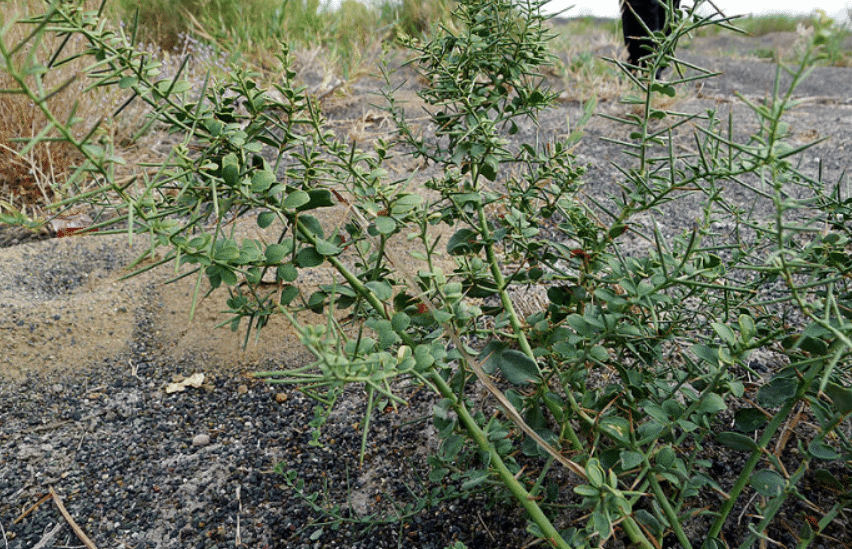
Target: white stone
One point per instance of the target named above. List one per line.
(201, 440)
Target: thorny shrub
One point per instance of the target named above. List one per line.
(639, 359)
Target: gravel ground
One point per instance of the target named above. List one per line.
(139, 468)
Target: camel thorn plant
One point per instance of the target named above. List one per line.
(615, 398)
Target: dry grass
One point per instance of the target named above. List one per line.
(34, 177)
(37, 175)
(581, 47)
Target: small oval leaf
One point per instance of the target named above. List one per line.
(296, 199)
(518, 368)
(385, 225)
(461, 242)
(749, 420)
(275, 253)
(261, 181)
(777, 392)
(309, 257)
(768, 483)
(821, 450)
(736, 441)
(265, 219)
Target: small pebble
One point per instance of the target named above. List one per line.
(281, 397)
(201, 440)
(242, 389)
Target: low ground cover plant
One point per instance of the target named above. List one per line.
(607, 407)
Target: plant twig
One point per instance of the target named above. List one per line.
(77, 530)
(31, 509)
(47, 539)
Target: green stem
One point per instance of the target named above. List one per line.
(494, 266)
(662, 499)
(774, 506)
(551, 535)
(635, 533)
(770, 431)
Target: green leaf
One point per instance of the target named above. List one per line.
(821, 450)
(231, 174)
(709, 355)
(518, 368)
(724, 332)
(382, 289)
(181, 86)
(463, 241)
(749, 420)
(326, 248)
(687, 425)
(400, 321)
(261, 181)
(475, 478)
(616, 427)
(490, 355)
(840, 396)
(288, 294)
(651, 430)
(423, 357)
(580, 325)
(531, 447)
(451, 447)
(747, 327)
(712, 404)
(442, 317)
(672, 408)
(275, 253)
(265, 219)
(630, 459)
(599, 353)
(768, 483)
(385, 225)
(826, 477)
(648, 520)
(595, 473)
(405, 203)
(296, 199)
(602, 522)
(489, 168)
(249, 252)
(319, 198)
(587, 491)
(657, 413)
(228, 276)
(287, 272)
(309, 257)
(226, 250)
(438, 474)
(736, 441)
(127, 82)
(665, 457)
(777, 392)
(665, 89)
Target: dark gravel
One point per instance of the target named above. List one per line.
(140, 468)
